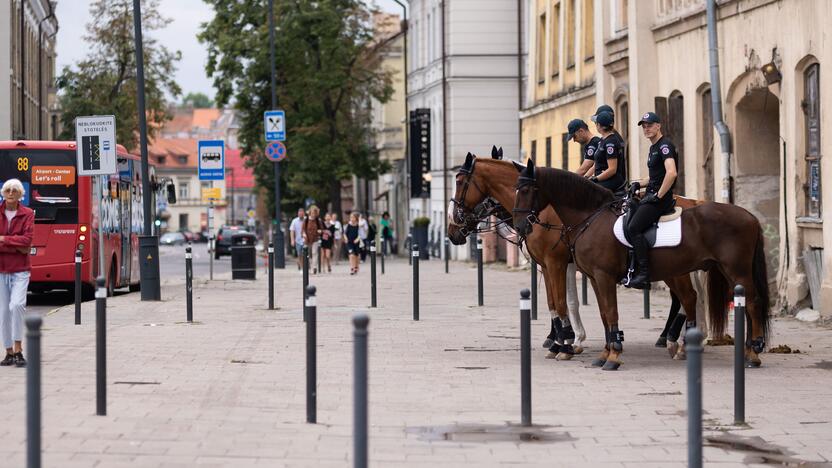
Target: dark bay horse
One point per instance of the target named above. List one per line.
(480, 179)
(716, 237)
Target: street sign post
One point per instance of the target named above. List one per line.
(95, 146)
(211, 160)
(276, 151)
(274, 124)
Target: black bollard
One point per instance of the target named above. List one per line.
(739, 354)
(693, 345)
(383, 253)
(271, 276)
(319, 258)
(189, 284)
(305, 253)
(373, 302)
(33, 449)
(583, 290)
(360, 421)
(77, 287)
(311, 356)
(534, 290)
(525, 359)
(479, 272)
(415, 261)
(646, 295)
(100, 347)
(447, 253)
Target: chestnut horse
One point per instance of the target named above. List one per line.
(479, 180)
(716, 237)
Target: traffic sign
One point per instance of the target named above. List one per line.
(211, 160)
(95, 144)
(213, 193)
(276, 151)
(274, 123)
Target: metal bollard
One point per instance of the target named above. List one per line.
(311, 356)
(447, 253)
(319, 259)
(739, 354)
(479, 272)
(33, 387)
(100, 347)
(271, 276)
(189, 284)
(383, 253)
(693, 345)
(525, 359)
(415, 262)
(305, 261)
(77, 287)
(646, 295)
(534, 290)
(583, 290)
(360, 421)
(373, 302)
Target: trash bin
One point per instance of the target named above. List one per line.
(243, 256)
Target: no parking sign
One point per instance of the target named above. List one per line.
(276, 151)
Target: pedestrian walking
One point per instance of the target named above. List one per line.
(16, 230)
(386, 233)
(363, 233)
(296, 235)
(352, 240)
(313, 229)
(327, 241)
(339, 232)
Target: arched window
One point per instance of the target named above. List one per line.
(811, 124)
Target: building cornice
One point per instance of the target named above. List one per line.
(571, 96)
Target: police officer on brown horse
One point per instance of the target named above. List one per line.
(610, 163)
(658, 199)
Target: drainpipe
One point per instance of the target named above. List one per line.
(716, 105)
(405, 30)
(40, 69)
(23, 70)
(444, 123)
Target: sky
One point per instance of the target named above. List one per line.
(180, 35)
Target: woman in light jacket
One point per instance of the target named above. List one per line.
(16, 230)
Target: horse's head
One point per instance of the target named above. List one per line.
(462, 212)
(525, 201)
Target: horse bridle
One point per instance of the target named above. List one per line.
(462, 216)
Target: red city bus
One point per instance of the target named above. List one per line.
(66, 214)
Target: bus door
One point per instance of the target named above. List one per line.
(125, 174)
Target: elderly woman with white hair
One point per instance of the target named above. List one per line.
(16, 229)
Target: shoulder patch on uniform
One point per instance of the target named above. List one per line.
(665, 149)
(590, 151)
(610, 149)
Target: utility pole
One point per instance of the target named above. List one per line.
(148, 243)
(279, 248)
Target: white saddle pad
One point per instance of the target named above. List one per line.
(669, 233)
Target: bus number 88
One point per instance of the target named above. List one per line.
(22, 164)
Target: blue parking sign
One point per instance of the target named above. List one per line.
(211, 160)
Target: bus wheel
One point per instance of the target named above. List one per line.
(111, 281)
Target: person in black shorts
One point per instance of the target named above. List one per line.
(352, 240)
(658, 198)
(579, 132)
(609, 161)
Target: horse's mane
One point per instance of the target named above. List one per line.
(569, 189)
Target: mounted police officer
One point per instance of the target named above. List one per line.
(579, 132)
(609, 160)
(658, 198)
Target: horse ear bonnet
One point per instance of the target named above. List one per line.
(500, 152)
(494, 154)
(528, 172)
(469, 161)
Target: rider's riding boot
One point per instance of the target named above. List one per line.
(641, 280)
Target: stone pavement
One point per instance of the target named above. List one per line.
(230, 389)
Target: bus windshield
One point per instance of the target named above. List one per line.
(49, 178)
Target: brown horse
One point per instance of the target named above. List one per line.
(479, 180)
(715, 237)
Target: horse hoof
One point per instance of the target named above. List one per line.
(672, 348)
(564, 356)
(551, 355)
(548, 343)
(599, 363)
(661, 342)
(578, 349)
(680, 356)
(555, 348)
(610, 366)
(752, 363)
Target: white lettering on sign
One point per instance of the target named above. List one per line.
(64, 231)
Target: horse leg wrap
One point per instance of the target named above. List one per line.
(616, 339)
(566, 350)
(676, 328)
(757, 345)
(550, 339)
(558, 338)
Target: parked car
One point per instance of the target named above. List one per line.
(172, 238)
(189, 236)
(223, 243)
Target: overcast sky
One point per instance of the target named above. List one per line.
(179, 35)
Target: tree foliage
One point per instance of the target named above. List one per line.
(197, 101)
(326, 78)
(104, 83)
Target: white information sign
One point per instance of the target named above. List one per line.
(95, 138)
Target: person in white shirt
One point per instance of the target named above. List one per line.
(296, 235)
(336, 248)
(363, 232)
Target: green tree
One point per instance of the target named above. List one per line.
(198, 101)
(326, 77)
(104, 82)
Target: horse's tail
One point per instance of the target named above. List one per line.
(759, 273)
(718, 297)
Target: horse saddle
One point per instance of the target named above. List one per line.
(666, 233)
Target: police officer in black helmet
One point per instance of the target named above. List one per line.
(609, 159)
(579, 132)
(658, 198)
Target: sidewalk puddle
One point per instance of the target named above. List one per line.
(758, 450)
(490, 433)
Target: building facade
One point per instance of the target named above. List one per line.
(463, 87)
(27, 70)
(653, 55)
